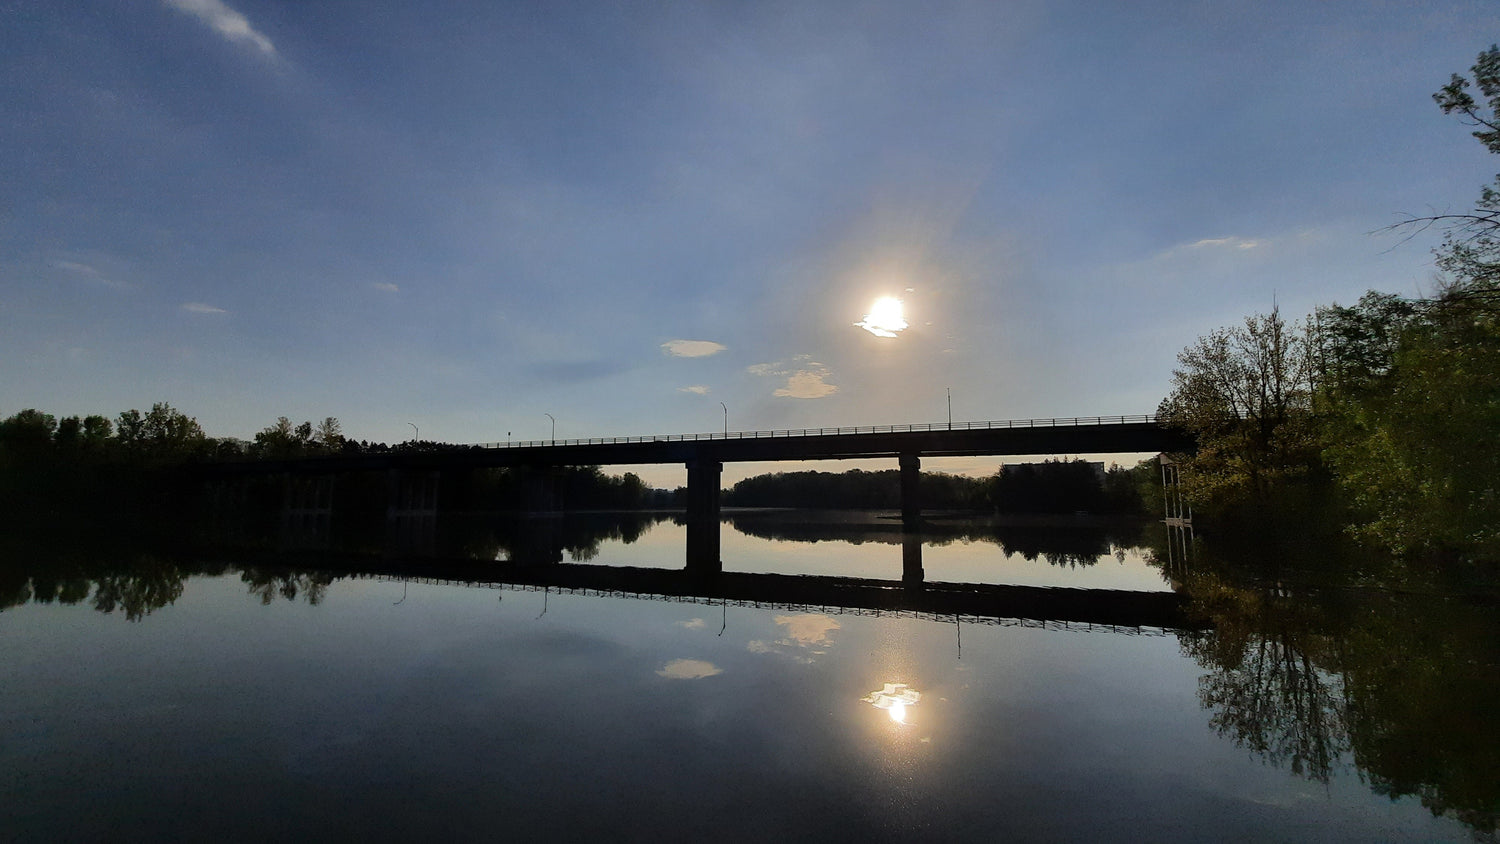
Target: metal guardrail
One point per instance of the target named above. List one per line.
(1074, 422)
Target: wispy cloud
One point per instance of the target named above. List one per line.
(695, 624)
(1225, 242)
(385, 287)
(689, 669)
(201, 308)
(805, 377)
(695, 389)
(1213, 244)
(692, 348)
(225, 21)
(88, 272)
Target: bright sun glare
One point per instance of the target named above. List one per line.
(885, 318)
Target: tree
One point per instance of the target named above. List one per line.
(329, 434)
(28, 429)
(279, 439)
(1356, 346)
(1246, 392)
(163, 432)
(1470, 252)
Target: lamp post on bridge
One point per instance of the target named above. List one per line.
(726, 419)
(554, 427)
(950, 408)
(416, 432)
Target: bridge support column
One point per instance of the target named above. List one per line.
(911, 501)
(411, 509)
(703, 516)
(911, 557)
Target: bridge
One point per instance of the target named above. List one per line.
(704, 455)
(1109, 609)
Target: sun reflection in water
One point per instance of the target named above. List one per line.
(894, 698)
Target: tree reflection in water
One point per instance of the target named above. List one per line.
(1317, 662)
(267, 584)
(1059, 541)
(1378, 666)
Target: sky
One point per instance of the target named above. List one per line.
(654, 218)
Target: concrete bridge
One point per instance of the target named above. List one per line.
(704, 455)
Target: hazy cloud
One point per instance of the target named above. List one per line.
(692, 348)
(809, 629)
(689, 669)
(807, 384)
(695, 389)
(201, 308)
(804, 377)
(804, 637)
(386, 287)
(695, 624)
(225, 21)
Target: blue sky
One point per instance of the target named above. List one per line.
(468, 215)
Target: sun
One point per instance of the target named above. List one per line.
(886, 317)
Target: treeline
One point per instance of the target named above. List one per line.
(135, 470)
(1384, 414)
(1056, 486)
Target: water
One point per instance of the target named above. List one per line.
(249, 700)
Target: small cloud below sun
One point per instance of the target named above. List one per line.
(805, 378)
(692, 348)
(885, 318)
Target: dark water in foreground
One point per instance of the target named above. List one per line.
(195, 696)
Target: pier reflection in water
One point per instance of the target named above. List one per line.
(424, 709)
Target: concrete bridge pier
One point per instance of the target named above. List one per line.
(411, 509)
(911, 500)
(703, 479)
(306, 510)
(911, 558)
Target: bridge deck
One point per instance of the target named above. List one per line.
(1092, 435)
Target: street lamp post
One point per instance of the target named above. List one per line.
(726, 418)
(554, 427)
(416, 432)
(950, 408)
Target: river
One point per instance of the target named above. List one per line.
(280, 691)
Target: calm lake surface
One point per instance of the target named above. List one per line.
(225, 695)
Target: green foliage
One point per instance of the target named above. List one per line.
(1356, 346)
(1246, 392)
(1419, 455)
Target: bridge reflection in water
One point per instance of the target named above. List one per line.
(1111, 609)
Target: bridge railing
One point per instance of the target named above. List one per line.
(918, 427)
